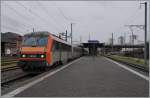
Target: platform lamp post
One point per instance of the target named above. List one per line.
(145, 46)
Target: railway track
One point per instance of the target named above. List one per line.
(8, 64)
(6, 82)
(9, 68)
(140, 67)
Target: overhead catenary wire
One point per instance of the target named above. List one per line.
(14, 10)
(48, 14)
(28, 14)
(36, 15)
(11, 28)
(29, 10)
(134, 16)
(16, 13)
(24, 19)
(65, 17)
(130, 19)
(14, 21)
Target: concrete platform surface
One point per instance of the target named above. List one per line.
(90, 77)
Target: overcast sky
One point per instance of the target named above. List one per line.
(95, 18)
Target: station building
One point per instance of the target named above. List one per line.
(10, 43)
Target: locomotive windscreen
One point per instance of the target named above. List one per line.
(35, 40)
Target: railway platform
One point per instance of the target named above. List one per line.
(88, 77)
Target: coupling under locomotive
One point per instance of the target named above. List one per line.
(42, 49)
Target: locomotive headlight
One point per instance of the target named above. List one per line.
(42, 56)
(23, 55)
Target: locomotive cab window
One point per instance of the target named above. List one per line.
(35, 41)
(42, 41)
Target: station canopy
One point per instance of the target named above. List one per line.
(93, 42)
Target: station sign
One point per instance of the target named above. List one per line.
(93, 41)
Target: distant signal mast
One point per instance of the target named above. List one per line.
(138, 26)
(131, 28)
